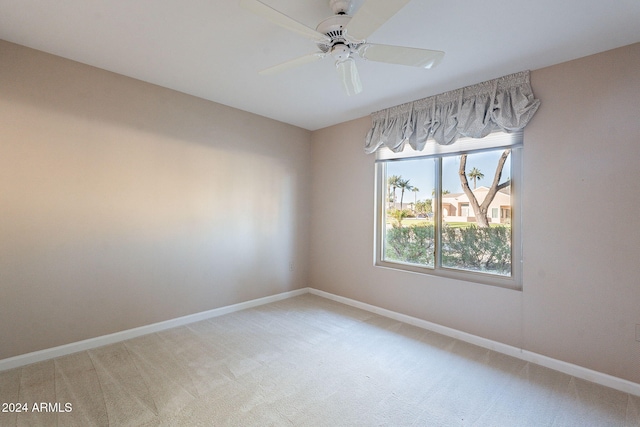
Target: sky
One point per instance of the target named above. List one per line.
(420, 173)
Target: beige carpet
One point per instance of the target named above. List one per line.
(305, 361)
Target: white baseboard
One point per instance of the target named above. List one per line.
(63, 350)
(528, 356)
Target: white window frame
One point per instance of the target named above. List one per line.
(499, 140)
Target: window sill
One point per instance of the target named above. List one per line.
(467, 276)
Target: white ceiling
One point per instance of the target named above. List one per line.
(213, 49)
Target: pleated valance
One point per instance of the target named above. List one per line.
(505, 103)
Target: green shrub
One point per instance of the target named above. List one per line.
(475, 248)
(412, 244)
(469, 248)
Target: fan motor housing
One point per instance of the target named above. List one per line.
(333, 26)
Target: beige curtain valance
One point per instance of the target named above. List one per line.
(505, 103)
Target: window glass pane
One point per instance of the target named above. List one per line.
(408, 228)
(473, 236)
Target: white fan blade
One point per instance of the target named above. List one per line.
(401, 55)
(349, 76)
(371, 15)
(312, 57)
(283, 20)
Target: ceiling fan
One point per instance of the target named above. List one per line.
(343, 37)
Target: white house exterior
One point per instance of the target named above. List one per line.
(456, 207)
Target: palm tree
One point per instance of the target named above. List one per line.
(433, 192)
(399, 215)
(403, 185)
(392, 185)
(415, 195)
(475, 174)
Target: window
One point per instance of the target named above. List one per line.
(451, 213)
(464, 209)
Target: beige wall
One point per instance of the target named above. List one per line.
(581, 296)
(124, 204)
